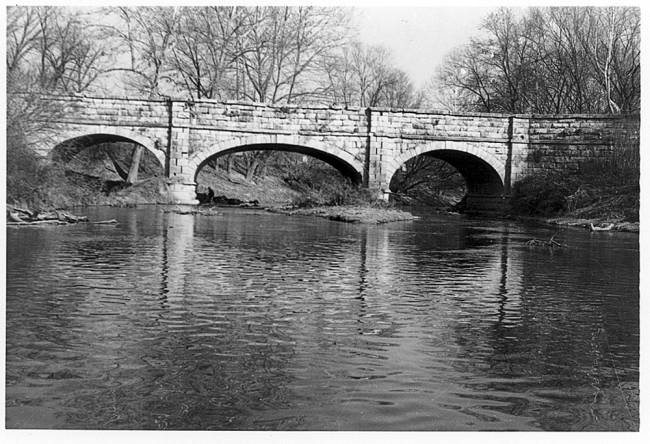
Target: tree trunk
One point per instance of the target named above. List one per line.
(250, 170)
(118, 168)
(261, 169)
(135, 164)
(230, 163)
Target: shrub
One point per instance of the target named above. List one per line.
(540, 195)
(329, 193)
(605, 186)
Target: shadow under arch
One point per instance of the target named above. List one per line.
(344, 162)
(482, 172)
(73, 144)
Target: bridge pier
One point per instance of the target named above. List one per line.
(182, 193)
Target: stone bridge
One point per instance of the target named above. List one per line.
(491, 151)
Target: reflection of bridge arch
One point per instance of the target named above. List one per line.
(70, 143)
(483, 173)
(343, 161)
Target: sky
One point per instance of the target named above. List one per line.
(419, 37)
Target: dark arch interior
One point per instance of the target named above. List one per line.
(104, 157)
(342, 166)
(480, 179)
(67, 150)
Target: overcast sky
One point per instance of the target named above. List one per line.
(419, 37)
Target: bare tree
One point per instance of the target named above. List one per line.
(145, 36)
(365, 76)
(286, 49)
(23, 33)
(466, 79)
(70, 56)
(208, 49)
(55, 47)
(549, 60)
(613, 47)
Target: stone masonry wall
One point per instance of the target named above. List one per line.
(122, 112)
(236, 118)
(376, 140)
(563, 142)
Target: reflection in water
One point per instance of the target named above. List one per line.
(261, 321)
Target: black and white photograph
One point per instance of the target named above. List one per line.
(322, 217)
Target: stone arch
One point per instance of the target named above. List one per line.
(343, 161)
(483, 172)
(87, 137)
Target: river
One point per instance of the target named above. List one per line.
(255, 321)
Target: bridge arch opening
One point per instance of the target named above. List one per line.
(448, 177)
(279, 166)
(67, 149)
(344, 167)
(111, 159)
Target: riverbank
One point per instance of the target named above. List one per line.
(350, 213)
(600, 196)
(584, 203)
(595, 224)
(600, 218)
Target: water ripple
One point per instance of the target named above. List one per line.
(270, 322)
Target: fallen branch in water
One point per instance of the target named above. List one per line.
(29, 214)
(551, 243)
(39, 222)
(608, 227)
(20, 217)
(104, 222)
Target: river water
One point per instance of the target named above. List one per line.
(257, 321)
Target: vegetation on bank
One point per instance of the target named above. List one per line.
(40, 184)
(601, 191)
